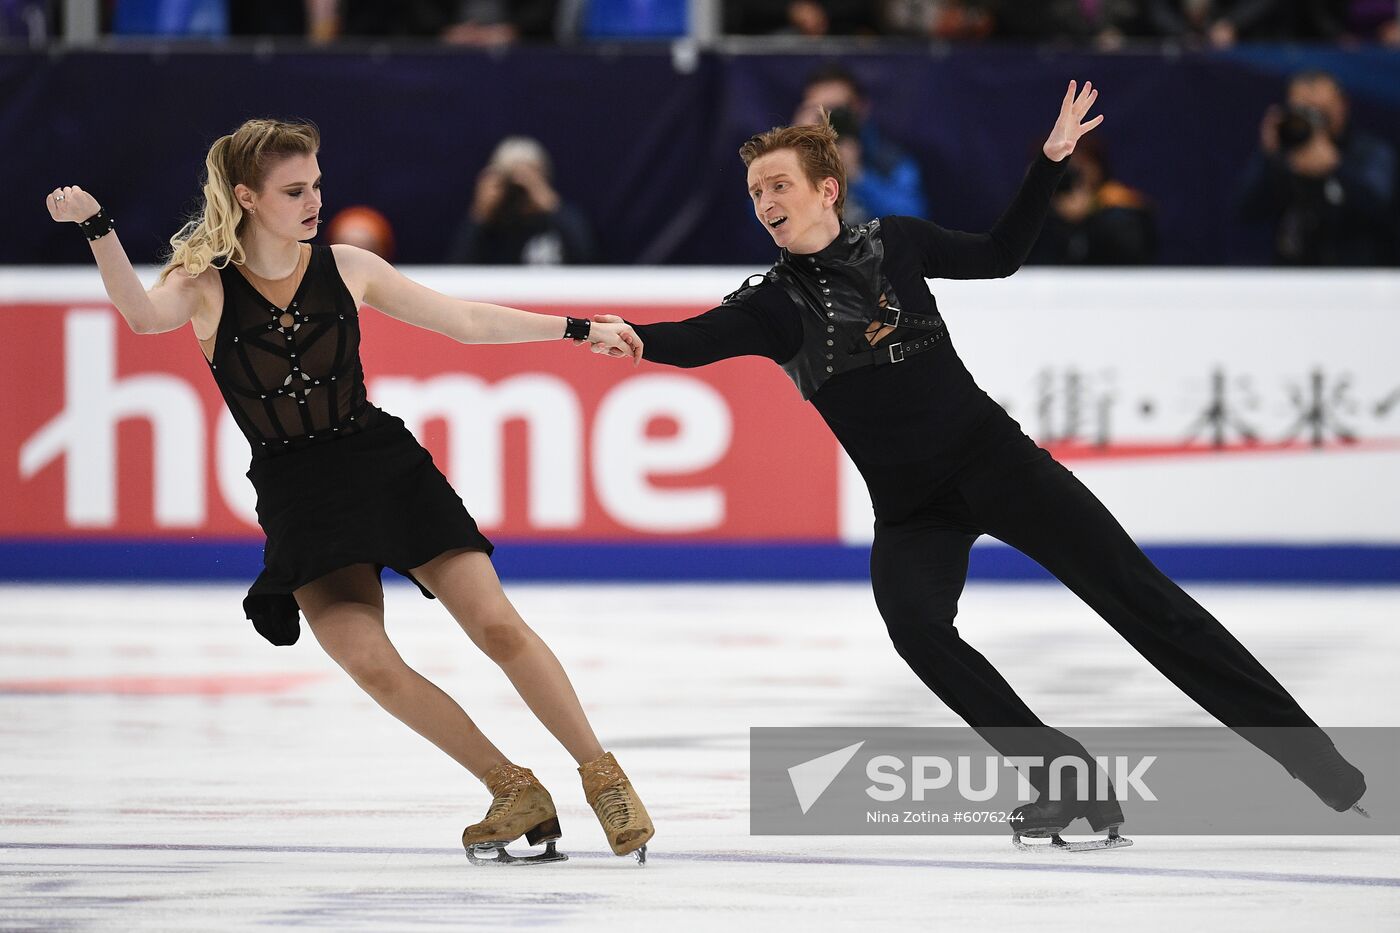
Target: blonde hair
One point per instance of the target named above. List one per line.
(815, 146)
(241, 158)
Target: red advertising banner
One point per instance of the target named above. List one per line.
(104, 433)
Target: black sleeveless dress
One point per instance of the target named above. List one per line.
(339, 481)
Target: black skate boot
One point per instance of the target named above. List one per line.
(1336, 781)
(1046, 819)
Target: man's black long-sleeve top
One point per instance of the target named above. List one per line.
(911, 426)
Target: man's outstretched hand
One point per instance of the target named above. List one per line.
(1069, 127)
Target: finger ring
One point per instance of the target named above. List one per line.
(58, 197)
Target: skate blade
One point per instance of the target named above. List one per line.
(494, 853)
(1362, 810)
(1057, 844)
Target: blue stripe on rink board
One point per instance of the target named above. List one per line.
(164, 559)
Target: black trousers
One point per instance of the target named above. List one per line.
(1021, 495)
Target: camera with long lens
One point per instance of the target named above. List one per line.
(514, 204)
(845, 122)
(1298, 125)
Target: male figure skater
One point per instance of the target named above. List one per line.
(847, 314)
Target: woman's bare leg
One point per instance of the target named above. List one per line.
(345, 610)
(466, 583)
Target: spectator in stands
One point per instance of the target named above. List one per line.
(1254, 20)
(174, 19)
(423, 19)
(517, 217)
(364, 227)
(811, 18)
(496, 23)
(884, 179)
(318, 20)
(1095, 220)
(1106, 23)
(952, 20)
(1372, 20)
(1326, 188)
(622, 19)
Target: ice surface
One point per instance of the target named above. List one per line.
(165, 769)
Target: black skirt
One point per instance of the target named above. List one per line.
(374, 497)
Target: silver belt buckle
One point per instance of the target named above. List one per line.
(897, 352)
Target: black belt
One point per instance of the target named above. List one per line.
(905, 319)
(901, 350)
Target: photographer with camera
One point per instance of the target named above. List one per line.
(517, 218)
(1094, 219)
(883, 178)
(1327, 188)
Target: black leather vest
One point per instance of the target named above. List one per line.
(841, 291)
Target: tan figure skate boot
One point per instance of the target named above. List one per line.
(619, 809)
(520, 807)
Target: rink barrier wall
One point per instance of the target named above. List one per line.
(1242, 425)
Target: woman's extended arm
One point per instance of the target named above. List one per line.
(165, 307)
(379, 284)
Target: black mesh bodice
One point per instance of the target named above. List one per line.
(292, 376)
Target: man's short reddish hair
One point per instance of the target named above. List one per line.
(815, 145)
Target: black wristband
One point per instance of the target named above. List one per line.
(97, 226)
(577, 328)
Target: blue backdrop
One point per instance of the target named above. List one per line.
(646, 149)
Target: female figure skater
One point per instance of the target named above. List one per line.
(343, 488)
(847, 314)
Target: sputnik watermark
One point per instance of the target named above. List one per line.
(934, 773)
(1174, 780)
(927, 773)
